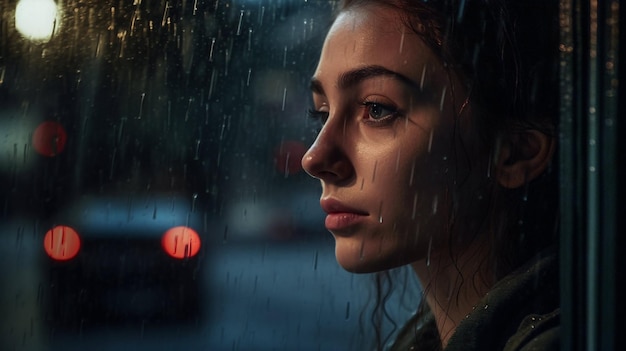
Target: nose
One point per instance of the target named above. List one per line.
(327, 158)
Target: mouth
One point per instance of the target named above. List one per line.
(340, 216)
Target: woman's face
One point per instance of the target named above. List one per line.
(384, 155)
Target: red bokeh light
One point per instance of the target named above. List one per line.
(288, 157)
(181, 242)
(49, 139)
(61, 243)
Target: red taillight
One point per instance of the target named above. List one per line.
(61, 243)
(181, 242)
(49, 139)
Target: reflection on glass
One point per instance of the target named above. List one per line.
(438, 130)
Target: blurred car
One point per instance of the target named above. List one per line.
(114, 260)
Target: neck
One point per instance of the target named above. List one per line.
(453, 285)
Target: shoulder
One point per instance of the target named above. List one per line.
(419, 333)
(537, 333)
(520, 313)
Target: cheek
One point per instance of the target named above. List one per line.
(421, 191)
(424, 168)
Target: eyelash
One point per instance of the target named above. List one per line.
(316, 115)
(392, 115)
(322, 116)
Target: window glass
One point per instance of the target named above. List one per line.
(152, 190)
(152, 193)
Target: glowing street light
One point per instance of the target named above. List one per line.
(36, 19)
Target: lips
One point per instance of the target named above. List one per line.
(340, 216)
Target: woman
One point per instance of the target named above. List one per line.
(436, 144)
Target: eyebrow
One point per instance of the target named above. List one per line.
(354, 77)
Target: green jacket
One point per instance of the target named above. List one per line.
(521, 312)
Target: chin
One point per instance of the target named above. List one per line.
(354, 260)
(357, 268)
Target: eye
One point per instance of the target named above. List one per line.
(379, 112)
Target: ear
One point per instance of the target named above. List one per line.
(523, 157)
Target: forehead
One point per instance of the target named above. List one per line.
(374, 35)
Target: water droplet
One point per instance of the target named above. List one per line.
(188, 108)
(286, 171)
(250, 39)
(398, 159)
(261, 14)
(430, 139)
(197, 155)
(239, 24)
(461, 13)
(211, 51)
(430, 246)
(443, 98)
(143, 96)
(194, 199)
(362, 251)
(374, 171)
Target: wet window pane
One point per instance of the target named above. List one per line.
(152, 192)
(592, 102)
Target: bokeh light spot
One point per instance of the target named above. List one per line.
(49, 139)
(61, 243)
(36, 19)
(181, 242)
(288, 157)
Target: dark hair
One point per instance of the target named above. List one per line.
(506, 55)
